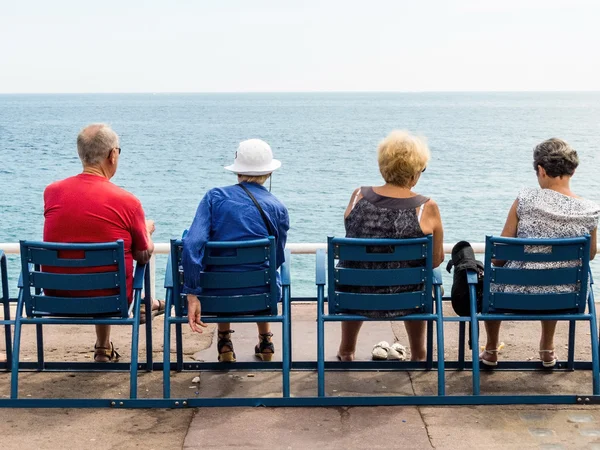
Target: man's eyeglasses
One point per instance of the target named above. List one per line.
(424, 168)
(114, 148)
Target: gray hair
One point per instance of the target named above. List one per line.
(94, 143)
(556, 157)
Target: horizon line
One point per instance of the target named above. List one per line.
(499, 91)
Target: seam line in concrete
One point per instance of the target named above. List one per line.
(420, 412)
(188, 428)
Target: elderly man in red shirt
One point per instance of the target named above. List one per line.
(89, 208)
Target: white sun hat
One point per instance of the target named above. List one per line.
(254, 157)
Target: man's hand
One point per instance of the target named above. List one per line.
(150, 227)
(194, 314)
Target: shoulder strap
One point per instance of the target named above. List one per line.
(260, 210)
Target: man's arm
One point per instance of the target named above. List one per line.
(143, 256)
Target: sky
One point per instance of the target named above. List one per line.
(65, 46)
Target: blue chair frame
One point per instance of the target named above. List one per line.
(7, 322)
(58, 310)
(569, 306)
(340, 303)
(236, 309)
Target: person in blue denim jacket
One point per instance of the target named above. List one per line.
(229, 214)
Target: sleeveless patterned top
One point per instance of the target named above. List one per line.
(379, 217)
(545, 213)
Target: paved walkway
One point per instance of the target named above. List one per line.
(301, 428)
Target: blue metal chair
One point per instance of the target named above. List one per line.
(501, 304)
(341, 304)
(36, 257)
(5, 299)
(237, 308)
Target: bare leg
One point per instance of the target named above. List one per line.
(263, 327)
(547, 340)
(102, 342)
(103, 336)
(264, 349)
(416, 339)
(349, 338)
(223, 327)
(492, 331)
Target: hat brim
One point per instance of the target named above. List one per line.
(254, 171)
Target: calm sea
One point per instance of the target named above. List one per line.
(175, 145)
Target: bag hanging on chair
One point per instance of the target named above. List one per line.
(463, 259)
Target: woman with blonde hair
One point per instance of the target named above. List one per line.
(393, 211)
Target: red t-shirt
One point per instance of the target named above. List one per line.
(88, 209)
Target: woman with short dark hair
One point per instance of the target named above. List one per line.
(550, 211)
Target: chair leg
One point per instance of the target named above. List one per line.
(474, 340)
(7, 336)
(429, 345)
(135, 338)
(14, 376)
(148, 303)
(461, 345)
(40, 346)
(594, 338)
(179, 346)
(571, 355)
(320, 343)
(440, 343)
(167, 350)
(286, 345)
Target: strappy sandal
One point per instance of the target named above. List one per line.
(487, 362)
(225, 341)
(265, 349)
(155, 312)
(548, 364)
(109, 353)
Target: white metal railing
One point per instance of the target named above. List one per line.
(163, 248)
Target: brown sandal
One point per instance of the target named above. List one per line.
(225, 341)
(109, 353)
(265, 349)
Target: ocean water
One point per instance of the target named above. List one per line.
(174, 147)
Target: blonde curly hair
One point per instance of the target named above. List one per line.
(401, 157)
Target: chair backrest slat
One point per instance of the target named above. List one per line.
(383, 252)
(536, 277)
(362, 289)
(380, 277)
(83, 288)
(45, 305)
(536, 302)
(213, 279)
(234, 280)
(74, 282)
(89, 258)
(378, 302)
(537, 288)
(536, 253)
(234, 304)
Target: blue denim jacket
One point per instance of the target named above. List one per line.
(228, 214)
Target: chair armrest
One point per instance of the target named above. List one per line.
(169, 274)
(471, 276)
(138, 276)
(20, 282)
(285, 269)
(591, 278)
(320, 276)
(437, 276)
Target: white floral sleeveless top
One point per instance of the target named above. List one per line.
(544, 213)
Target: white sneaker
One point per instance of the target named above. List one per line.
(380, 350)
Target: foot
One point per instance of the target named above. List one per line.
(419, 355)
(548, 358)
(265, 349)
(345, 356)
(158, 307)
(225, 346)
(489, 357)
(105, 353)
